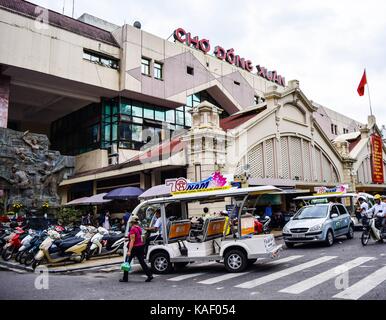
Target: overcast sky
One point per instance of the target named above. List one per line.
(325, 44)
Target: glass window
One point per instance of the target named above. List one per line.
(170, 116)
(95, 133)
(114, 135)
(158, 70)
(145, 66)
(159, 115)
(137, 120)
(126, 108)
(107, 132)
(125, 131)
(179, 118)
(136, 133)
(148, 113)
(188, 118)
(136, 111)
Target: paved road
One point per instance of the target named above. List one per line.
(306, 272)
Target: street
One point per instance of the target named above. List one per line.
(309, 272)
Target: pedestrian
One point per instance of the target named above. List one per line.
(125, 219)
(136, 249)
(268, 210)
(106, 222)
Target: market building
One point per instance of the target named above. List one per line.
(135, 109)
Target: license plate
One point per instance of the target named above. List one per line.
(299, 235)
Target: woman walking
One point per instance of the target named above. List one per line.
(136, 249)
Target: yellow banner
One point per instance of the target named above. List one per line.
(201, 190)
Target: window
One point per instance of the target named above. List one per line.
(145, 66)
(336, 129)
(236, 83)
(158, 70)
(345, 131)
(190, 70)
(257, 99)
(148, 113)
(101, 59)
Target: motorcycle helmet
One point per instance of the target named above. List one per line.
(134, 218)
(362, 198)
(378, 197)
(59, 229)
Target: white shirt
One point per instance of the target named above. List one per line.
(364, 207)
(378, 210)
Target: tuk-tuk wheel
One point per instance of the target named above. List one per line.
(160, 263)
(235, 261)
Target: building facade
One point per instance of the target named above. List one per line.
(136, 109)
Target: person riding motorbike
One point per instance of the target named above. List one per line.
(362, 209)
(378, 211)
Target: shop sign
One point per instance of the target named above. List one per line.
(377, 159)
(215, 182)
(229, 56)
(336, 190)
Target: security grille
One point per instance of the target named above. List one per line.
(269, 159)
(307, 160)
(255, 160)
(296, 158)
(284, 158)
(318, 164)
(326, 169)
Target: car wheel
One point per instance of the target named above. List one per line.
(289, 245)
(329, 241)
(160, 263)
(350, 233)
(235, 261)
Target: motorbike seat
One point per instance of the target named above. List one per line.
(68, 244)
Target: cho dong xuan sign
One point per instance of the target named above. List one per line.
(229, 56)
(215, 182)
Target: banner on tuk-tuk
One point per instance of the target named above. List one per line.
(215, 182)
(336, 190)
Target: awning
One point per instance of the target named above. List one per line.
(76, 202)
(156, 191)
(89, 201)
(124, 193)
(272, 182)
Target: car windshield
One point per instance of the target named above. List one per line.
(314, 212)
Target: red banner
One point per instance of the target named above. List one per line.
(377, 159)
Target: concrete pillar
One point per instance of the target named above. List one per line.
(4, 100)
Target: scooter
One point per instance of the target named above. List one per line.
(13, 244)
(73, 249)
(370, 231)
(25, 244)
(4, 237)
(266, 221)
(113, 244)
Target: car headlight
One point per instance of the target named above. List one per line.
(286, 229)
(318, 227)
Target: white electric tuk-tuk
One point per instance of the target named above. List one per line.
(349, 200)
(230, 240)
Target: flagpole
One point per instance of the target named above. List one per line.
(368, 91)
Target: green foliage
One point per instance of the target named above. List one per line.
(69, 216)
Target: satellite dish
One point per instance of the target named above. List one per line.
(137, 25)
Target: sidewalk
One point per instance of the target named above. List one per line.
(94, 264)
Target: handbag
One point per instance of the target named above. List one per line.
(126, 266)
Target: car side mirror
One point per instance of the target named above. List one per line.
(334, 216)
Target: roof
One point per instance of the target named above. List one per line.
(347, 137)
(61, 21)
(160, 152)
(238, 119)
(220, 194)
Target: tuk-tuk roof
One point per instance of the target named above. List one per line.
(216, 194)
(322, 196)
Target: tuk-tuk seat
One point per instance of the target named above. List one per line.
(178, 230)
(213, 228)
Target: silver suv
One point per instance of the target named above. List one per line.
(319, 223)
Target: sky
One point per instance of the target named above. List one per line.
(325, 44)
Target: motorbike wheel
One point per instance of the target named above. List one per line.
(36, 263)
(29, 259)
(89, 254)
(365, 238)
(17, 256)
(7, 254)
(82, 257)
(22, 257)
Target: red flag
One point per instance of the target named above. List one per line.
(361, 88)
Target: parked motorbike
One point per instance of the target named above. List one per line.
(4, 237)
(25, 244)
(104, 244)
(29, 255)
(13, 244)
(264, 226)
(372, 229)
(54, 250)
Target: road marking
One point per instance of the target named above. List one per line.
(223, 278)
(283, 273)
(229, 276)
(186, 276)
(280, 261)
(325, 276)
(363, 286)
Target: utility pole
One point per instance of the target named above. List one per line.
(73, 8)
